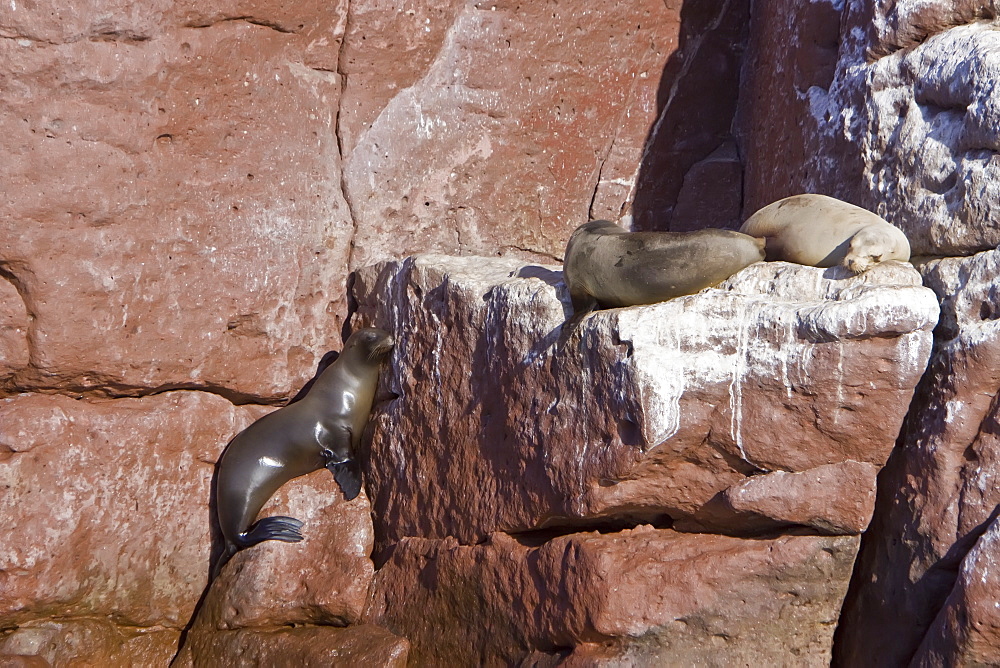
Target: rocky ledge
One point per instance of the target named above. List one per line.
(759, 412)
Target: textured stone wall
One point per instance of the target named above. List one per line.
(891, 105)
(739, 430)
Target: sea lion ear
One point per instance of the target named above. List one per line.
(348, 476)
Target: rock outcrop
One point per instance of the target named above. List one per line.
(187, 188)
(762, 408)
(937, 494)
(891, 106)
(637, 597)
(894, 106)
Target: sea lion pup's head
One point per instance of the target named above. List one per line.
(868, 246)
(370, 343)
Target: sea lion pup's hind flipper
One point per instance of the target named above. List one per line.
(280, 527)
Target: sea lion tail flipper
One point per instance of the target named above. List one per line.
(348, 476)
(280, 527)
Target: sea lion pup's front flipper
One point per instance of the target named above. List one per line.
(337, 458)
(348, 476)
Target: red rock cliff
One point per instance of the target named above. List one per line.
(200, 197)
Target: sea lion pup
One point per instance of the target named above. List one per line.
(610, 267)
(821, 231)
(320, 430)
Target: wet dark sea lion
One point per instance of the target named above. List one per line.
(822, 231)
(612, 267)
(320, 430)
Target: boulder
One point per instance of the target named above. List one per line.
(637, 597)
(361, 646)
(497, 416)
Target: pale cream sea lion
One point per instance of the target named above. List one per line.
(822, 231)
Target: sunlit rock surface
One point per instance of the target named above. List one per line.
(106, 505)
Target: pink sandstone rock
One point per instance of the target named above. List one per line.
(696, 106)
(711, 195)
(106, 505)
(937, 493)
(174, 214)
(833, 498)
(497, 127)
(138, 255)
(14, 324)
(362, 646)
(107, 516)
(19, 661)
(501, 420)
(650, 595)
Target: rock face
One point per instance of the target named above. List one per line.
(767, 405)
(893, 106)
(94, 642)
(175, 216)
(188, 186)
(965, 631)
(105, 505)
